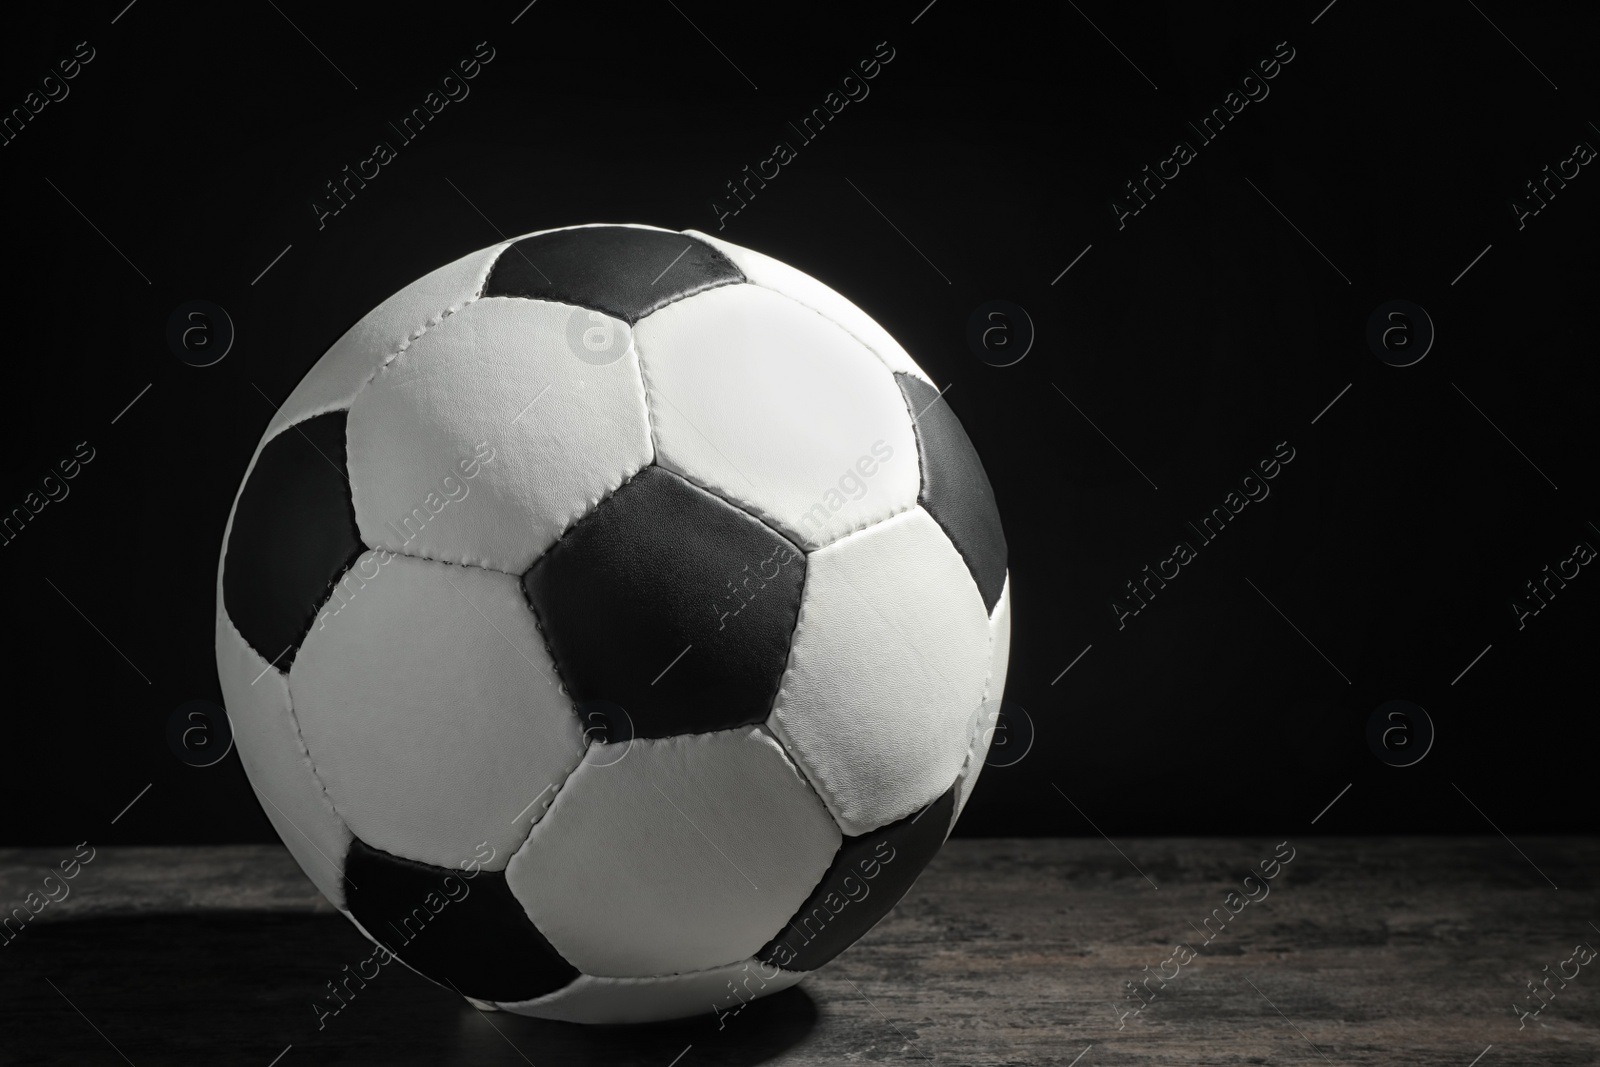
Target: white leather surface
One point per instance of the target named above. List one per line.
(773, 274)
(471, 380)
(268, 740)
(391, 328)
(388, 328)
(993, 692)
(429, 707)
(688, 853)
(768, 404)
(886, 671)
(714, 992)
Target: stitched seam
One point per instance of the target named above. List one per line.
(719, 284)
(575, 516)
(445, 872)
(644, 395)
(310, 413)
(754, 510)
(572, 704)
(538, 624)
(675, 739)
(916, 439)
(538, 620)
(415, 335)
(826, 317)
(988, 677)
(961, 544)
(474, 564)
(811, 775)
(740, 278)
(588, 514)
(322, 602)
(777, 689)
(772, 522)
(828, 798)
(972, 737)
(299, 736)
(361, 549)
(565, 297)
(556, 788)
(649, 400)
(832, 863)
(868, 525)
(771, 725)
(768, 518)
(427, 325)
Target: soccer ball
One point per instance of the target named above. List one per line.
(612, 624)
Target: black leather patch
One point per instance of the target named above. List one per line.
(294, 535)
(955, 489)
(469, 932)
(672, 603)
(625, 272)
(868, 876)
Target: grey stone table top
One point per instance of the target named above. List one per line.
(1362, 951)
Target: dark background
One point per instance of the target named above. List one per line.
(1196, 338)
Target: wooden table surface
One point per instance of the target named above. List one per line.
(1366, 951)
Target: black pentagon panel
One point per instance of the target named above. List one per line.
(673, 604)
(868, 876)
(294, 534)
(955, 489)
(469, 932)
(625, 272)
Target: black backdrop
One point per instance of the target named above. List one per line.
(1221, 319)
